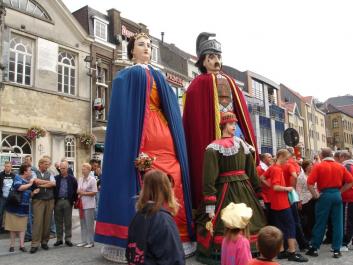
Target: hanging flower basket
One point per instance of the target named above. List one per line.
(35, 132)
(87, 139)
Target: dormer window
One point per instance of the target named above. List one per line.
(101, 28)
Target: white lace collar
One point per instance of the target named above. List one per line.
(231, 150)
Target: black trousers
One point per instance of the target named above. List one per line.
(307, 217)
(299, 234)
(347, 222)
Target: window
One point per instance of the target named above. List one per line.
(258, 89)
(336, 137)
(28, 7)
(316, 120)
(323, 138)
(20, 61)
(154, 57)
(13, 148)
(66, 73)
(322, 122)
(70, 151)
(102, 89)
(124, 50)
(272, 95)
(334, 123)
(101, 29)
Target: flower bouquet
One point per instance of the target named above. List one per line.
(35, 132)
(87, 139)
(143, 162)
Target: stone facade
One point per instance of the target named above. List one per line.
(45, 83)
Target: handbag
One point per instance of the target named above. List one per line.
(14, 198)
(293, 197)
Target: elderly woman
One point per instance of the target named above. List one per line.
(16, 215)
(87, 189)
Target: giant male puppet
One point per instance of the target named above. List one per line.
(209, 94)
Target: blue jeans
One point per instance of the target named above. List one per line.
(328, 206)
(2, 210)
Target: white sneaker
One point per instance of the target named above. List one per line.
(344, 249)
(89, 246)
(81, 244)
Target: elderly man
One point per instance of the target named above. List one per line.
(332, 179)
(6, 180)
(43, 205)
(65, 194)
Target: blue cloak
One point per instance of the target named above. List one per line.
(119, 182)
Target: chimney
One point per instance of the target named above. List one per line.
(162, 36)
(114, 23)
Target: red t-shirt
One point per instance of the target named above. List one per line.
(347, 196)
(288, 168)
(261, 262)
(278, 199)
(295, 164)
(329, 174)
(265, 190)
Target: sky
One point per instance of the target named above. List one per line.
(305, 45)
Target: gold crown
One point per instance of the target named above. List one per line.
(140, 35)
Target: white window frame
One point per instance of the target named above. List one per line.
(61, 84)
(25, 54)
(70, 141)
(256, 85)
(154, 53)
(124, 54)
(104, 23)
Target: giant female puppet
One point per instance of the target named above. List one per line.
(144, 117)
(209, 94)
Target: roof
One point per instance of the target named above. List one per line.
(340, 100)
(347, 110)
(289, 106)
(308, 99)
(235, 73)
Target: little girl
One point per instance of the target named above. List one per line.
(235, 245)
(153, 237)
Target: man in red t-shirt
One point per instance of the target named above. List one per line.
(265, 163)
(281, 213)
(347, 198)
(331, 179)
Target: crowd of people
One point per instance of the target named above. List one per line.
(36, 202)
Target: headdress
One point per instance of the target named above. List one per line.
(228, 117)
(236, 215)
(140, 35)
(205, 46)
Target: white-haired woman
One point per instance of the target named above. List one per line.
(87, 189)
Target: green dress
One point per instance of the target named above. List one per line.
(229, 175)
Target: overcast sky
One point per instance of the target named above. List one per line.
(306, 45)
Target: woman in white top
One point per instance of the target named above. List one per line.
(306, 204)
(87, 189)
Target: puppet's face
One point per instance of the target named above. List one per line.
(213, 63)
(142, 50)
(229, 129)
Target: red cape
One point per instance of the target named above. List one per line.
(199, 125)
